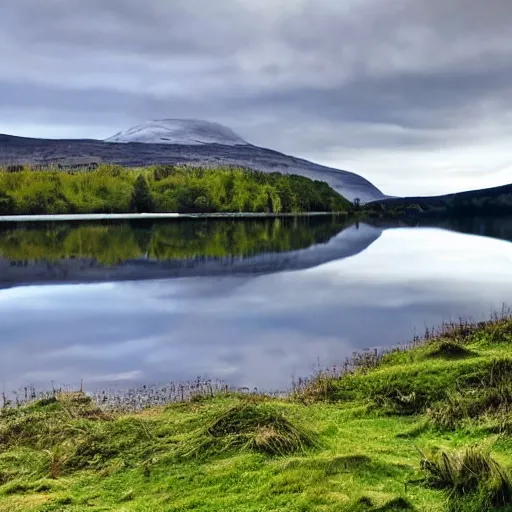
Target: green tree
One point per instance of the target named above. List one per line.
(7, 204)
(160, 172)
(142, 199)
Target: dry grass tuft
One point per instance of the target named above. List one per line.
(473, 480)
(250, 426)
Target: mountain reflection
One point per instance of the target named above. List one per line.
(127, 251)
(110, 251)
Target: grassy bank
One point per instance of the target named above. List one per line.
(114, 189)
(428, 428)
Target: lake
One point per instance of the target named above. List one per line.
(254, 303)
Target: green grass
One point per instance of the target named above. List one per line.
(249, 427)
(370, 440)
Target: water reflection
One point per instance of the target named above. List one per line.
(493, 227)
(93, 252)
(252, 330)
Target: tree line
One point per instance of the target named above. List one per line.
(162, 188)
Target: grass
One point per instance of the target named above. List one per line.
(250, 427)
(364, 437)
(449, 349)
(473, 479)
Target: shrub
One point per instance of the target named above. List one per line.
(473, 480)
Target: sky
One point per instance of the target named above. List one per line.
(414, 95)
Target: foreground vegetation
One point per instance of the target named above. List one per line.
(427, 428)
(114, 189)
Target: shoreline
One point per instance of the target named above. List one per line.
(376, 436)
(155, 216)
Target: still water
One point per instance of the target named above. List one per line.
(254, 303)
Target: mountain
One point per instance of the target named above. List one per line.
(195, 143)
(179, 131)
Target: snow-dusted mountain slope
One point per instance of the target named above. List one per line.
(179, 131)
(195, 143)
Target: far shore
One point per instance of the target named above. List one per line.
(140, 216)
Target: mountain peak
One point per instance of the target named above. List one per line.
(179, 131)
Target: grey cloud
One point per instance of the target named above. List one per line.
(156, 27)
(308, 76)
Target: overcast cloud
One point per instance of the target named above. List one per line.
(414, 95)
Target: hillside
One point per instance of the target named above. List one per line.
(160, 189)
(483, 202)
(179, 150)
(427, 428)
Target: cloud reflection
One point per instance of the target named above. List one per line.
(250, 331)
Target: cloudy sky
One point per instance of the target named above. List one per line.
(415, 95)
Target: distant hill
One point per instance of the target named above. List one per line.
(483, 202)
(175, 142)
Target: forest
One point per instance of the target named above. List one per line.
(162, 188)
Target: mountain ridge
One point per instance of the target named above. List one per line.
(179, 131)
(34, 151)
